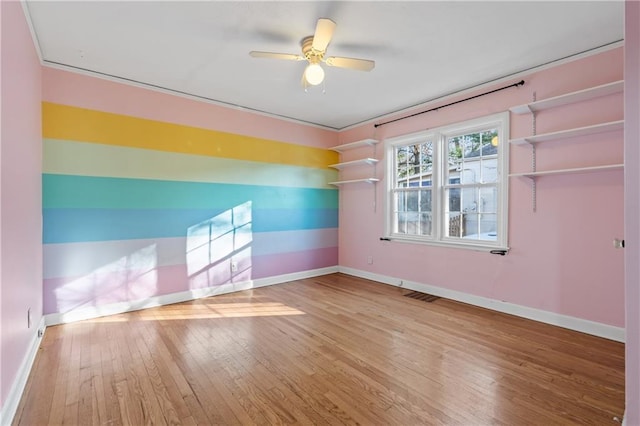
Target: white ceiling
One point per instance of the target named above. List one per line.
(423, 50)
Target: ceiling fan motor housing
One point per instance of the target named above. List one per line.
(312, 55)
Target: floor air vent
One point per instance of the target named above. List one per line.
(422, 296)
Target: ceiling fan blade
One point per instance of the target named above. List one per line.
(271, 55)
(351, 63)
(323, 34)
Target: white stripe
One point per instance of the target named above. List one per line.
(78, 259)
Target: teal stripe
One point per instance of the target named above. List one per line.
(91, 159)
(67, 191)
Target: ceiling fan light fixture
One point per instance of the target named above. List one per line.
(314, 74)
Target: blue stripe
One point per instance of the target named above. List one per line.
(79, 225)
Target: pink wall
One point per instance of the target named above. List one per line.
(103, 95)
(562, 259)
(632, 209)
(21, 194)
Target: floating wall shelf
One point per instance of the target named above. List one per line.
(365, 180)
(532, 175)
(354, 145)
(363, 161)
(569, 98)
(571, 133)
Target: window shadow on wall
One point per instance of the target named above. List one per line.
(218, 250)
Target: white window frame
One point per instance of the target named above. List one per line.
(439, 138)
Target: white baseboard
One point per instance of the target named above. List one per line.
(8, 411)
(183, 296)
(585, 326)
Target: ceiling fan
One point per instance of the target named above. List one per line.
(313, 50)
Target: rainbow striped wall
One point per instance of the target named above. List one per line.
(135, 208)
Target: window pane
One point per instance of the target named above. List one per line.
(471, 225)
(401, 203)
(469, 200)
(401, 223)
(425, 223)
(488, 199)
(401, 176)
(401, 155)
(426, 155)
(452, 200)
(454, 162)
(488, 227)
(468, 172)
(456, 225)
(425, 212)
(411, 222)
(412, 201)
(489, 170)
(425, 201)
(401, 166)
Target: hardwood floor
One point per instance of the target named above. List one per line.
(328, 350)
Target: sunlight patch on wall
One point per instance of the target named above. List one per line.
(218, 250)
(132, 277)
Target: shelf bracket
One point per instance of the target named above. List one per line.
(533, 194)
(534, 200)
(533, 179)
(375, 187)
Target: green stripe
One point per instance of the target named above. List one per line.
(65, 191)
(90, 159)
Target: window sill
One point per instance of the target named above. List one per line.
(448, 244)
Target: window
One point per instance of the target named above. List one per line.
(448, 186)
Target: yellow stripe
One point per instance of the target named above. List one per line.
(79, 124)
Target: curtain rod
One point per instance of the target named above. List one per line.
(520, 83)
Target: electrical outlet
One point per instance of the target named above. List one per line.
(370, 260)
(234, 266)
(29, 318)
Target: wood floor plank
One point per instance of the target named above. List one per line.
(333, 349)
(112, 415)
(59, 390)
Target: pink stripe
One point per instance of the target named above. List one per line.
(286, 263)
(99, 288)
(84, 91)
